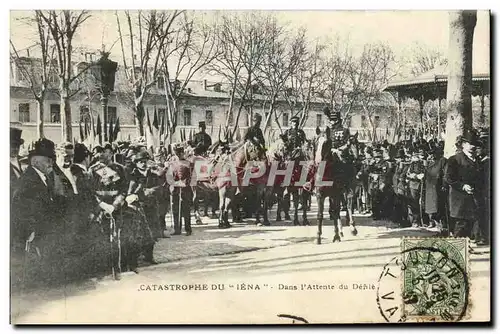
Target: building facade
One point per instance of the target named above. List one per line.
(201, 101)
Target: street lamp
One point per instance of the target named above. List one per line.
(104, 71)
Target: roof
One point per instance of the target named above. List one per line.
(427, 82)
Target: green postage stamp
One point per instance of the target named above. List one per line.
(435, 280)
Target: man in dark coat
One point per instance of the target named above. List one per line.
(482, 227)
(33, 206)
(15, 166)
(463, 175)
(201, 140)
(400, 211)
(415, 175)
(294, 138)
(434, 191)
(338, 134)
(254, 133)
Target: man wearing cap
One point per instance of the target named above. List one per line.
(15, 166)
(201, 140)
(179, 179)
(33, 206)
(254, 133)
(294, 138)
(463, 175)
(338, 133)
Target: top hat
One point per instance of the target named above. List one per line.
(201, 124)
(43, 147)
(471, 137)
(15, 137)
(294, 119)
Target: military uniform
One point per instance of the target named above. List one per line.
(182, 194)
(201, 141)
(400, 188)
(295, 139)
(255, 135)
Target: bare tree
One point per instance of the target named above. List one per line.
(192, 47)
(148, 33)
(62, 26)
(423, 58)
(280, 61)
(305, 82)
(368, 75)
(37, 71)
(243, 40)
(335, 77)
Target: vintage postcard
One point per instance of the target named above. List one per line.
(249, 167)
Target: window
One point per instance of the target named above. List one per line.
(55, 113)
(209, 117)
(319, 120)
(285, 119)
(112, 114)
(24, 112)
(217, 87)
(160, 83)
(84, 114)
(187, 117)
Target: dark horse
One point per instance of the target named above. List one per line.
(335, 166)
(224, 173)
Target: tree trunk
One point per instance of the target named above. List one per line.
(139, 119)
(66, 122)
(39, 119)
(459, 103)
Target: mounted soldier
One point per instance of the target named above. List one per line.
(201, 140)
(338, 134)
(295, 139)
(255, 136)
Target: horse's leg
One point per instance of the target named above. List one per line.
(349, 215)
(321, 205)
(196, 206)
(295, 200)
(331, 208)
(279, 199)
(304, 195)
(265, 197)
(222, 204)
(337, 222)
(286, 202)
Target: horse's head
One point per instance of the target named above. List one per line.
(323, 148)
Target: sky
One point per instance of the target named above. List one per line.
(397, 28)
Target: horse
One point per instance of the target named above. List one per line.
(338, 169)
(278, 154)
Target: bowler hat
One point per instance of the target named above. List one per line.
(43, 147)
(15, 136)
(471, 137)
(294, 119)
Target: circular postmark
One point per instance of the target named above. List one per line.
(423, 284)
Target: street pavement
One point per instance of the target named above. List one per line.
(269, 261)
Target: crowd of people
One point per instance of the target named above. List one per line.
(78, 212)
